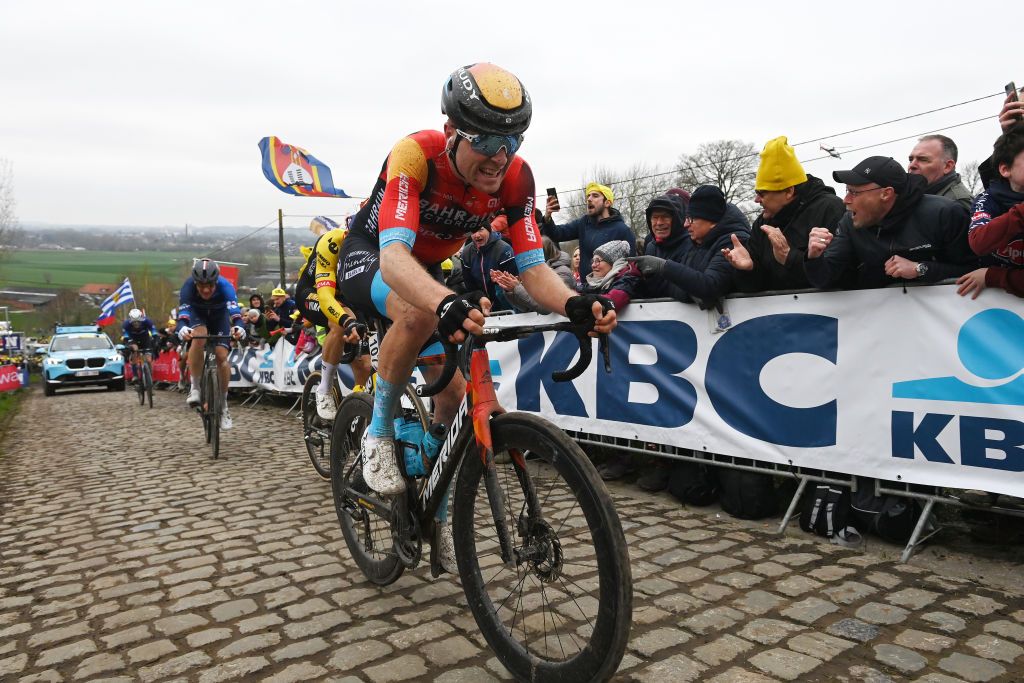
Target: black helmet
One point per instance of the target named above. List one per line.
(205, 271)
(484, 98)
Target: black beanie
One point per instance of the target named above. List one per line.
(707, 202)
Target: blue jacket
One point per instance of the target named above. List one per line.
(143, 328)
(224, 298)
(477, 265)
(591, 234)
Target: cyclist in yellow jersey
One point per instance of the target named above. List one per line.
(316, 295)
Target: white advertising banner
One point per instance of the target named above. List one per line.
(917, 385)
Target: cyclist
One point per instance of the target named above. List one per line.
(208, 306)
(435, 188)
(138, 334)
(318, 303)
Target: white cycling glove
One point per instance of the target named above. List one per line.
(238, 332)
(183, 332)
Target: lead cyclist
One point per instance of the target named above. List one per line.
(433, 189)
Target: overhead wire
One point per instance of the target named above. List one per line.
(812, 140)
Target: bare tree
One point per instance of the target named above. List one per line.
(730, 165)
(8, 219)
(970, 177)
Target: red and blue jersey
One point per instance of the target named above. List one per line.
(421, 202)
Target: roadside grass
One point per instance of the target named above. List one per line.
(9, 402)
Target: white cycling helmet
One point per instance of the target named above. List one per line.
(135, 315)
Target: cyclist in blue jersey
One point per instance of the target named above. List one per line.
(139, 334)
(209, 306)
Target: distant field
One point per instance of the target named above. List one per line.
(30, 269)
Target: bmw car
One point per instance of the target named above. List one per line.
(80, 356)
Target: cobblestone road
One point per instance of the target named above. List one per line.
(126, 553)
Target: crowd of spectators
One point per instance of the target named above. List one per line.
(891, 225)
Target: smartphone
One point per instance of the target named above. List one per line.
(552, 193)
(1011, 90)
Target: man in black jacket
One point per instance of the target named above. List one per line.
(701, 274)
(892, 232)
(793, 203)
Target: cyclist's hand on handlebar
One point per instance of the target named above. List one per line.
(461, 313)
(185, 333)
(354, 331)
(592, 309)
(238, 333)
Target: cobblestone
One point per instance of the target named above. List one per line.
(190, 569)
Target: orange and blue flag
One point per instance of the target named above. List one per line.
(295, 171)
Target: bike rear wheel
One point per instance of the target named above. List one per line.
(560, 610)
(316, 431)
(367, 534)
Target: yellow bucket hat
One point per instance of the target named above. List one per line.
(779, 167)
(603, 189)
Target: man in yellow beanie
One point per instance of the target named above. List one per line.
(793, 203)
(602, 224)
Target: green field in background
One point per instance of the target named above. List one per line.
(28, 269)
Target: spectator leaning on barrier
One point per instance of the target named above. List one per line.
(485, 253)
(515, 292)
(256, 327)
(997, 225)
(892, 231)
(703, 276)
(666, 219)
(683, 199)
(792, 203)
(934, 158)
(602, 224)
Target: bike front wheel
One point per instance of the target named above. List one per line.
(214, 408)
(316, 432)
(140, 383)
(559, 609)
(147, 373)
(367, 533)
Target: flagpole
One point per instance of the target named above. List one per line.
(280, 242)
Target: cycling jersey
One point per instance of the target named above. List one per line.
(138, 330)
(316, 290)
(218, 313)
(421, 202)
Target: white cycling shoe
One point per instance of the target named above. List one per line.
(326, 408)
(380, 469)
(193, 399)
(225, 419)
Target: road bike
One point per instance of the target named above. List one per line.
(539, 546)
(142, 372)
(317, 431)
(211, 395)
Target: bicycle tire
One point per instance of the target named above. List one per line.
(562, 556)
(214, 410)
(367, 535)
(316, 432)
(148, 374)
(205, 390)
(140, 385)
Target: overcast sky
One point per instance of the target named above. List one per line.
(149, 113)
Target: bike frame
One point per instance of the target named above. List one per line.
(472, 420)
